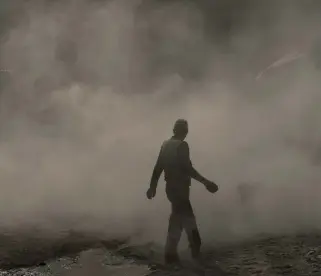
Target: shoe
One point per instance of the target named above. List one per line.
(172, 259)
(196, 253)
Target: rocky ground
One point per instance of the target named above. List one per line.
(297, 255)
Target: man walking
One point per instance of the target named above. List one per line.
(174, 160)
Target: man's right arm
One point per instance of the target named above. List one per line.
(187, 164)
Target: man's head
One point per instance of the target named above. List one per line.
(180, 129)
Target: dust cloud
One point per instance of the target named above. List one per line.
(95, 87)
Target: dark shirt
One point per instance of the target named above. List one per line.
(174, 160)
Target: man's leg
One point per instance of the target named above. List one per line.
(173, 237)
(191, 229)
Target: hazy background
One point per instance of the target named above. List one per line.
(95, 87)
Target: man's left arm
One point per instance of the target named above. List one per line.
(157, 171)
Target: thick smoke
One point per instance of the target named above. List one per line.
(95, 87)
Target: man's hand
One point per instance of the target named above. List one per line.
(211, 186)
(151, 193)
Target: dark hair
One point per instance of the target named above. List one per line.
(180, 126)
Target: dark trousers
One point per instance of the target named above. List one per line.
(181, 218)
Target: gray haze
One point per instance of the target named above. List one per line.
(95, 88)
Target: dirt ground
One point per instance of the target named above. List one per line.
(296, 255)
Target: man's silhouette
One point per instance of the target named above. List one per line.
(174, 160)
